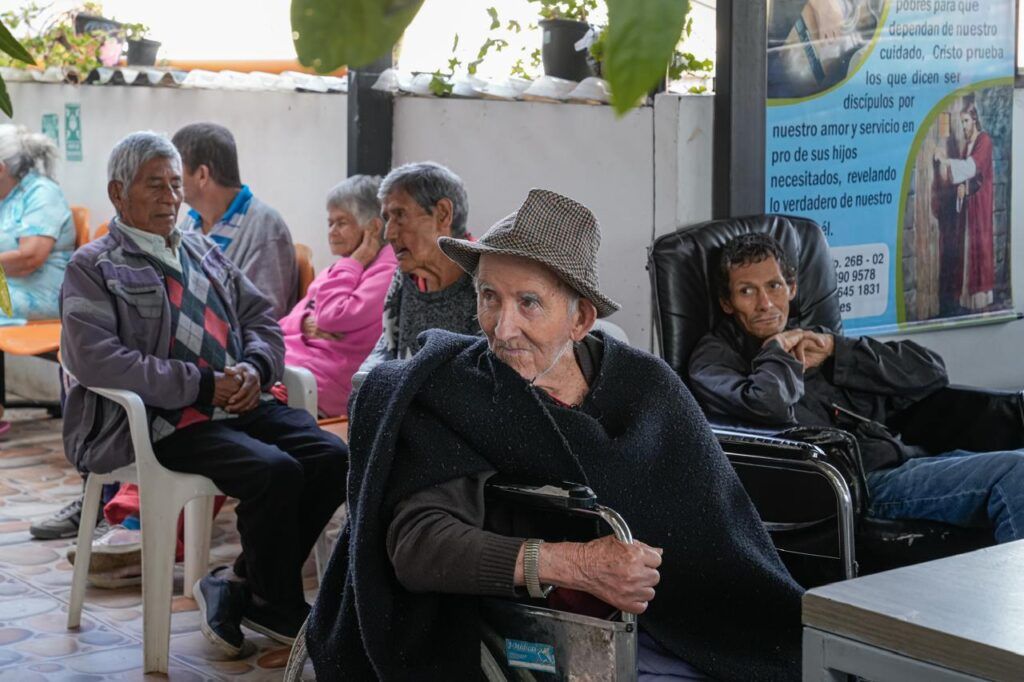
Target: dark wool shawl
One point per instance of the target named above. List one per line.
(725, 603)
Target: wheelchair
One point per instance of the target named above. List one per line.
(526, 640)
(807, 483)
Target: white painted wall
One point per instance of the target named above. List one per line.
(682, 161)
(643, 175)
(291, 146)
(503, 149)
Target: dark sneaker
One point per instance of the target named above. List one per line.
(63, 524)
(277, 624)
(221, 605)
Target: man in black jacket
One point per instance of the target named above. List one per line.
(752, 368)
(539, 398)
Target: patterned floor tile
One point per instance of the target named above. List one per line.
(35, 584)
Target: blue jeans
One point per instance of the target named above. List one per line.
(960, 488)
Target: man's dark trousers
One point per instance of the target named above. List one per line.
(289, 478)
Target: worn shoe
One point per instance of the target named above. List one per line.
(277, 624)
(221, 604)
(116, 557)
(63, 524)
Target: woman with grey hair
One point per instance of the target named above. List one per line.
(37, 234)
(333, 328)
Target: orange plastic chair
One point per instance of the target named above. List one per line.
(304, 261)
(81, 217)
(101, 230)
(38, 337)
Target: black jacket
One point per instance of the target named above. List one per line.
(725, 603)
(737, 379)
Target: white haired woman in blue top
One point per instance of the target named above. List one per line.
(37, 233)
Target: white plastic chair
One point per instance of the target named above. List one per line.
(611, 329)
(162, 494)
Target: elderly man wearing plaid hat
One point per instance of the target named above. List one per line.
(542, 397)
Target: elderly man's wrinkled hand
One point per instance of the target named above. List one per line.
(619, 574)
(247, 395)
(224, 386)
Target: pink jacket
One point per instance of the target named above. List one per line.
(344, 299)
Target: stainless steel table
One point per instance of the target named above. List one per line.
(958, 618)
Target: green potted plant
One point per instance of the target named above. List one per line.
(141, 50)
(54, 42)
(564, 23)
(686, 69)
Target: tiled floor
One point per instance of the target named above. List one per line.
(35, 580)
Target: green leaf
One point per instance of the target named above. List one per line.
(455, 42)
(333, 33)
(10, 45)
(6, 107)
(642, 35)
(494, 18)
(439, 85)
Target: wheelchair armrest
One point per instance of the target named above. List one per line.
(801, 447)
(980, 390)
(562, 497)
(764, 443)
(574, 499)
(963, 417)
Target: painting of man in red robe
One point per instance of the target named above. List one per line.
(967, 274)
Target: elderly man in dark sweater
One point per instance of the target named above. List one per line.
(543, 398)
(421, 202)
(753, 368)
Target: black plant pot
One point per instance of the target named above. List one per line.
(142, 52)
(558, 49)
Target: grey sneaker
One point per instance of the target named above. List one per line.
(101, 529)
(63, 524)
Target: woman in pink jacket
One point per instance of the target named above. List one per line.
(334, 327)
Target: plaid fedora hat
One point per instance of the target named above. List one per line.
(549, 229)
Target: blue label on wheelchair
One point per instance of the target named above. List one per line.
(530, 655)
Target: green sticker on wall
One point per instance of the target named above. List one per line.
(51, 127)
(73, 132)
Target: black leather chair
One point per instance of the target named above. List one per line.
(808, 482)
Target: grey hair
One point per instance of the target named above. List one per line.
(24, 151)
(358, 196)
(133, 151)
(427, 183)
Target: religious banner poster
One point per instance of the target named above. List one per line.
(889, 123)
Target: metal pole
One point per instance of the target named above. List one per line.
(740, 89)
(370, 120)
